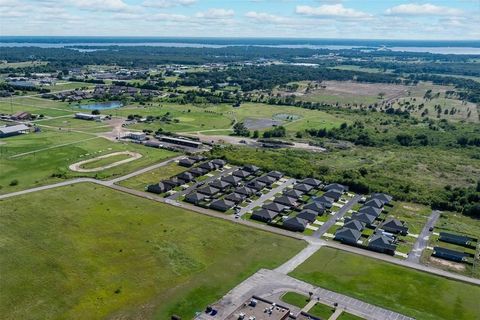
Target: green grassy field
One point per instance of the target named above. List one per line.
(70, 123)
(348, 316)
(22, 64)
(89, 252)
(33, 105)
(390, 286)
(154, 176)
(321, 310)
(219, 117)
(40, 158)
(465, 111)
(69, 85)
(295, 299)
(358, 68)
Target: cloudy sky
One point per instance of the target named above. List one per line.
(362, 19)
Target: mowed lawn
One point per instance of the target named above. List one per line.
(89, 252)
(41, 158)
(413, 293)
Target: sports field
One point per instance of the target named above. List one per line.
(36, 159)
(413, 293)
(89, 252)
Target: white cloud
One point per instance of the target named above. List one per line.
(413, 9)
(168, 17)
(331, 11)
(104, 5)
(167, 3)
(266, 17)
(215, 13)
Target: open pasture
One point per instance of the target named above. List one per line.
(23, 64)
(70, 123)
(113, 255)
(221, 117)
(33, 105)
(390, 286)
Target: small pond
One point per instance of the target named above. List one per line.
(101, 105)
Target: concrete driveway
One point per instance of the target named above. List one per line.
(423, 237)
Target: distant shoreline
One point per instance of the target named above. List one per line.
(471, 47)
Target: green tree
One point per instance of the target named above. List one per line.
(239, 129)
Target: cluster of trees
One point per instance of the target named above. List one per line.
(468, 141)
(276, 132)
(400, 131)
(204, 97)
(465, 200)
(239, 129)
(145, 56)
(267, 77)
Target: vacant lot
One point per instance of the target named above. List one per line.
(88, 252)
(33, 105)
(420, 171)
(70, 123)
(154, 176)
(390, 286)
(346, 92)
(40, 158)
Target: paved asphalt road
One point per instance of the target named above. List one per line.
(340, 213)
(80, 180)
(422, 240)
(259, 202)
(178, 194)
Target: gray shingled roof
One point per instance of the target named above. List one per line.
(347, 235)
(208, 190)
(264, 215)
(273, 206)
(312, 182)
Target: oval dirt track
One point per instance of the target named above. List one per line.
(78, 166)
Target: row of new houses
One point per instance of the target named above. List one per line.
(290, 200)
(454, 255)
(235, 188)
(383, 240)
(185, 177)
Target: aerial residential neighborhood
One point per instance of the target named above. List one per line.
(239, 160)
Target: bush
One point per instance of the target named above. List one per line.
(14, 182)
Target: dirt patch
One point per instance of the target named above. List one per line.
(448, 264)
(78, 166)
(363, 89)
(262, 123)
(411, 208)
